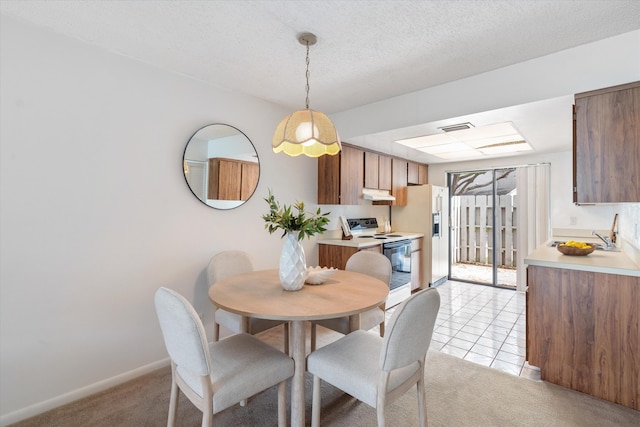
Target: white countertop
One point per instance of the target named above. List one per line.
(598, 261)
(362, 243)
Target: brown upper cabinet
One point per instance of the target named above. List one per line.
(341, 177)
(606, 153)
(377, 171)
(231, 179)
(399, 181)
(417, 173)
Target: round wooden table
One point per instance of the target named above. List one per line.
(259, 294)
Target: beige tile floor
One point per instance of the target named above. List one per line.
(478, 323)
(484, 325)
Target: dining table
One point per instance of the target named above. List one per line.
(259, 294)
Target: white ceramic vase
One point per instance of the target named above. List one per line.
(293, 267)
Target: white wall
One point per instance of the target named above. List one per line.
(96, 214)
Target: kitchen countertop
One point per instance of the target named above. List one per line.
(598, 261)
(362, 243)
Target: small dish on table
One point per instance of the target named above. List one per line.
(318, 275)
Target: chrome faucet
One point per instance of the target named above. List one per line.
(608, 244)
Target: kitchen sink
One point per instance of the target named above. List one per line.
(599, 246)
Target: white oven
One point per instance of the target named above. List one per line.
(396, 248)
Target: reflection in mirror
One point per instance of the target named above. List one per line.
(221, 166)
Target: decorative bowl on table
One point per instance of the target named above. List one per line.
(581, 249)
(318, 275)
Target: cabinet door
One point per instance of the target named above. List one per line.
(334, 256)
(423, 174)
(416, 173)
(416, 263)
(250, 174)
(412, 173)
(371, 161)
(607, 145)
(329, 179)
(384, 173)
(399, 181)
(224, 179)
(351, 175)
(584, 331)
(377, 171)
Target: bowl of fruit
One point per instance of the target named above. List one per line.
(576, 248)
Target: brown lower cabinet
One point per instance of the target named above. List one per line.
(583, 331)
(336, 256)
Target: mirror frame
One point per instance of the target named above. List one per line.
(234, 132)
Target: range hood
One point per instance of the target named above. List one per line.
(377, 195)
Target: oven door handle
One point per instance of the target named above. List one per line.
(396, 244)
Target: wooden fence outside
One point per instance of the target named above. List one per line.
(472, 231)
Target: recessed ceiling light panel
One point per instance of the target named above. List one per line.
(468, 141)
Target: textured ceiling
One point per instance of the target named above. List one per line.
(367, 50)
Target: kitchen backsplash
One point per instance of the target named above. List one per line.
(600, 217)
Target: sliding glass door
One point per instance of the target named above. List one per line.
(483, 226)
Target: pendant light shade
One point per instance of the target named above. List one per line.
(306, 131)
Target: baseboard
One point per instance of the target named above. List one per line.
(439, 282)
(38, 408)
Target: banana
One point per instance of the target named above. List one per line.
(574, 244)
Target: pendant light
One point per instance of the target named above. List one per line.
(306, 131)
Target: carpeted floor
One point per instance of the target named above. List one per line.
(459, 393)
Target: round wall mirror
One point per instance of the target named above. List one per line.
(221, 166)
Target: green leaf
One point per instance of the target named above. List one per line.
(303, 222)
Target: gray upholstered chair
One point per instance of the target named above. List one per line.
(217, 376)
(370, 263)
(230, 263)
(379, 370)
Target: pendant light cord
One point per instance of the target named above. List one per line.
(307, 76)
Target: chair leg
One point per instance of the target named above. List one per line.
(381, 400)
(380, 412)
(207, 401)
(173, 400)
(282, 404)
(315, 403)
(422, 402)
(313, 336)
(382, 329)
(207, 418)
(216, 331)
(286, 338)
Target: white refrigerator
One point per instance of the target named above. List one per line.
(427, 212)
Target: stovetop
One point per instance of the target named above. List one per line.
(366, 228)
(381, 236)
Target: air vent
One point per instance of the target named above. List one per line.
(453, 128)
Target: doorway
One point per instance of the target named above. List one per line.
(483, 212)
